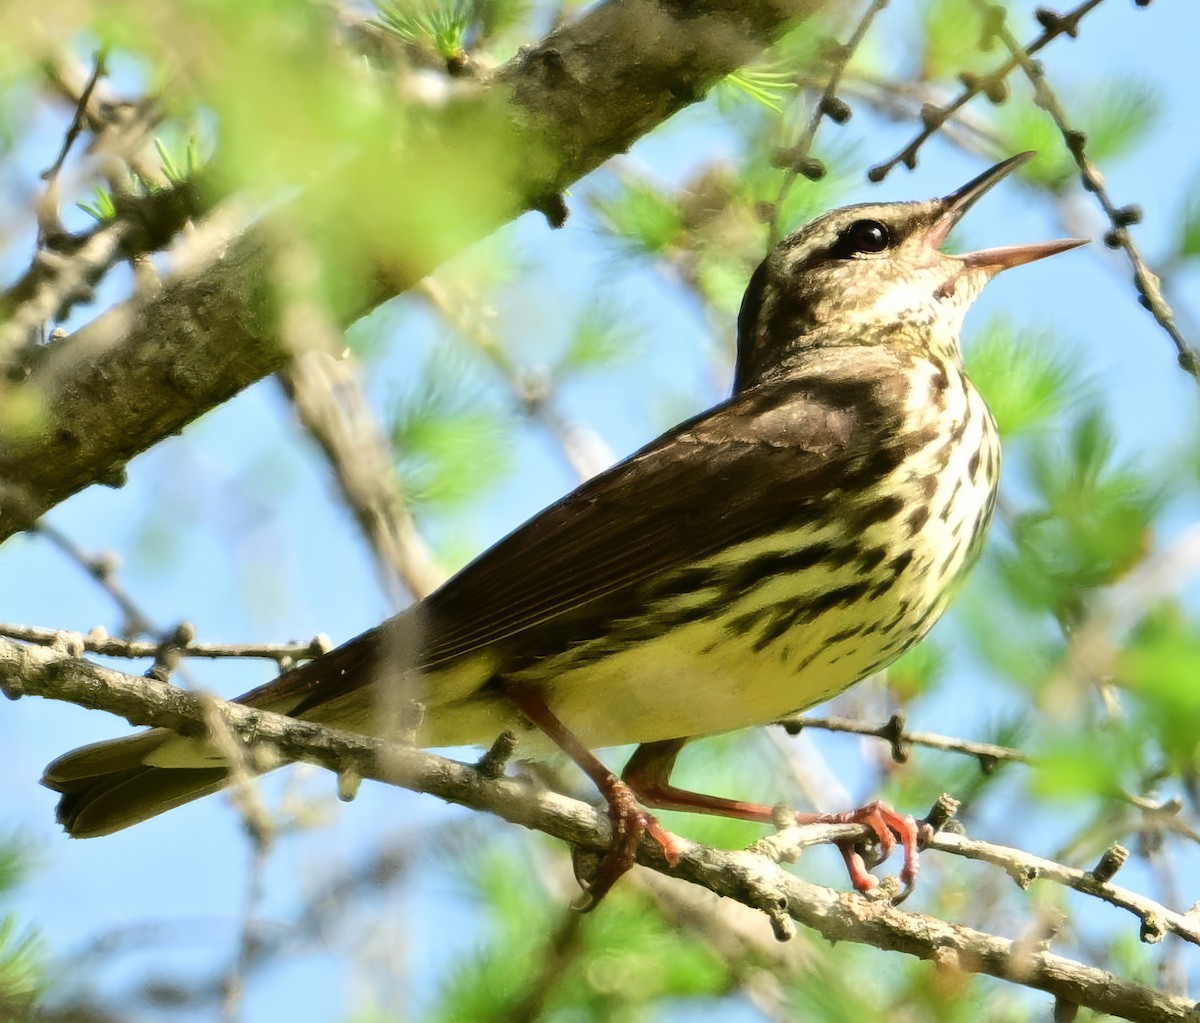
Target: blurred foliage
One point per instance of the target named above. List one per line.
(1115, 115)
(1189, 221)
(1089, 523)
(951, 31)
(917, 671)
(450, 445)
(641, 217)
(22, 955)
(602, 338)
(1028, 380)
(534, 951)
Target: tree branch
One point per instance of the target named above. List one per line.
(145, 369)
(748, 877)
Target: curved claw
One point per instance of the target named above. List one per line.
(888, 826)
(629, 823)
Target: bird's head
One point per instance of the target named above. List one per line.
(870, 274)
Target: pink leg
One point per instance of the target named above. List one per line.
(629, 821)
(648, 775)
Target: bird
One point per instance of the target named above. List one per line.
(749, 563)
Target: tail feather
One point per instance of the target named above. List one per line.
(110, 785)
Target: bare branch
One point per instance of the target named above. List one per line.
(893, 731)
(80, 120)
(748, 877)
(98, 641)
(329, 402)
(1025, 868)
(798, 158)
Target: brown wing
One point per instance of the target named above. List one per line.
(765, 459)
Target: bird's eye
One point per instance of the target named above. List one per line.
(862, 236)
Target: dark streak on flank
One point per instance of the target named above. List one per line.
(837, 597)
(748, 576)
(871, 559)
(973, 465)
(916, 519)
(899, 563)
(948, 506)
(949, 559)
(882, 510)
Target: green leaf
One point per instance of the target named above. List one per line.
(1089, 525)
(602, 336)
(102, 208)
(441, 25)
(1022, 373)
(641, 217)
(769, 87)
(451, 444)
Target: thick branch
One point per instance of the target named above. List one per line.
(149, 367)
(751, 878)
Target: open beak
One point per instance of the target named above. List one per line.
(992, 261)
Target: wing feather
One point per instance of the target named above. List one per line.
(768, 457)
(765, 459)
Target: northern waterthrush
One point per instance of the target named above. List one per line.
(749, 563)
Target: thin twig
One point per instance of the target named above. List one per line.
(102, 569)
(98, 641)
(748, 877)
(323, 382)
(992, 85)
(1121, 218)
(79, 121)
(894, 732)
(1025, 868)
(798, 157)
(329, 402)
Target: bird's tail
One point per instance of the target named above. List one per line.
(111, 785)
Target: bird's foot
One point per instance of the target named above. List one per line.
(629, 823)
(889, 827)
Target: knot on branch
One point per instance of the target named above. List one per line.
(492, 764)
(942, 812)
(893, 733)
(1153, 929)
(1114, 858)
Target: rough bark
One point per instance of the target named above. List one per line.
(147, 368)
